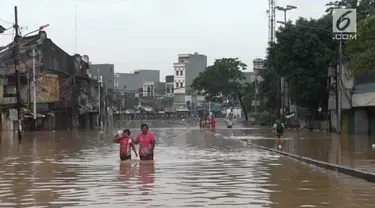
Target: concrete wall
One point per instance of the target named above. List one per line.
(107, 71)
(179, 99)
(361, 121)
(197, 63)
(134, 81)
(130, 100)
(159, 88)
(357, 121)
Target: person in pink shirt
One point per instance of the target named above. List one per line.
(146, 141)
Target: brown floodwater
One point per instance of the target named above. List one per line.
(192, 168)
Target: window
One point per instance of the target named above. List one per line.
(176, 84)
(176, 72)
(111, 69)
(168, 90)
(181, 84)
(181, 72)
(172, 89)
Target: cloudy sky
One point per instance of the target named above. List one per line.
(148, 34)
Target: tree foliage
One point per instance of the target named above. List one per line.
(361, 51)
(224, 78)
(365, 8)
(302, 54)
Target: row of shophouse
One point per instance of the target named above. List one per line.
(358, 105)
(66, 96)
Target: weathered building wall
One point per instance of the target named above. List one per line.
(47, 89)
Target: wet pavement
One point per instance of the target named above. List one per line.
(192, 168)
(352, 151)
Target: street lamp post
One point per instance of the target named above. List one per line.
(283, 84)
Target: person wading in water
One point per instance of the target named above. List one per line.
(279, 129)
(126, 145)
(146, 141)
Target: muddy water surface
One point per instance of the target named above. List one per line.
(192, 168)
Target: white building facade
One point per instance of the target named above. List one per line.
(186, 70)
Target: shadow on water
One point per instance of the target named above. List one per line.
(192, 168)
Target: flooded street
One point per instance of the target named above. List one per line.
(192, 168)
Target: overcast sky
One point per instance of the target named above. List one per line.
(148, 34)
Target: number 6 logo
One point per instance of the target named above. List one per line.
(343, 18)
(344, 21)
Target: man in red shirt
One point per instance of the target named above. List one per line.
(126, 145)
(146, 141)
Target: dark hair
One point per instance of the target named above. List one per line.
(127, 131)
(143, 126)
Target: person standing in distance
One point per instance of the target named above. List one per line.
(229, 123)
(146, 141)
(279, 128)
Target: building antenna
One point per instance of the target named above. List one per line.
(271, 20)
(75, 27)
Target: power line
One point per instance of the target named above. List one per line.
(6, 22)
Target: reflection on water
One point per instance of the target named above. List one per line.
(192, 168)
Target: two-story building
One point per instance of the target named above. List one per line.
(56, 89)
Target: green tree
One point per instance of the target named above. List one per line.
(361, 52)
(302, 54)
(268, 88)
(364, 8)
(224, 78)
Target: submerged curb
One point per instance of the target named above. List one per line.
(370, 177)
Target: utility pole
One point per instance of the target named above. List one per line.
(105, 112)
(17, 72)
(338, 93)
(99, 104)
(255, 96)
(34, 89)
(29, 88)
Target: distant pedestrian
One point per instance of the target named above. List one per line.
(213, 122)
(201, 122)
(146, 140)
(126, 145)
(279, 129)
(229, 123)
